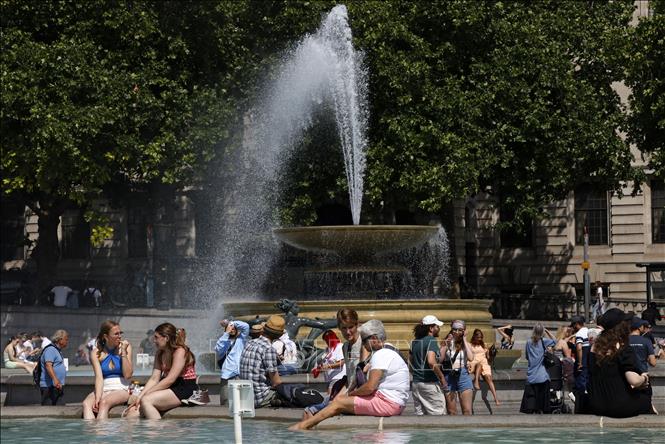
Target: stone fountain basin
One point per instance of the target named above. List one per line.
(356, 240)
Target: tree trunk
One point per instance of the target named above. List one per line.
(47, 251)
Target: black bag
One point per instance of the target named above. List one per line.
(298, 395)
(492, 354)
(37, 372)
(549, 358)
(447, 365)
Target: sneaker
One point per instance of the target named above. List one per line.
(571, 396)
(199, 397)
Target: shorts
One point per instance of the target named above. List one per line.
(428, 398)
(114, 383)
(461, 383)
(184, 388)
(11, 364)
(376, 404)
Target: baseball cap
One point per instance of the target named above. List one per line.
(431, 320)
(637, 323)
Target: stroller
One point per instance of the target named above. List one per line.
(558, 388)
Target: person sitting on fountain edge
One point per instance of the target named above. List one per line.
(387, 388)
(258, 362)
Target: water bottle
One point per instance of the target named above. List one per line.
(135, 388)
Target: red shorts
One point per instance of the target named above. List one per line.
(376, 404)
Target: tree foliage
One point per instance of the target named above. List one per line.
(646, 78)
(510, 97)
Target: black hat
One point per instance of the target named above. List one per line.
(577, 320)
(613, 317)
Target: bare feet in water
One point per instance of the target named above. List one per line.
(297, 427)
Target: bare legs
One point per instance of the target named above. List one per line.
(155, 403)
(490, 384)
(341, 404)
(108, 401)
(465, 400)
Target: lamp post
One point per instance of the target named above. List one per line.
(587, 281)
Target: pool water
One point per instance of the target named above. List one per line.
(221, 431)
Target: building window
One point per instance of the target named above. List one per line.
(658, 211)
(12, 240)
(591, 211)
(511, 237)
(75, 243)
(137, 232)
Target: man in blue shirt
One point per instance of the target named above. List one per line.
(52, 381)
(229, 348)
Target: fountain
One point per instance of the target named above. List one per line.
(324, 71)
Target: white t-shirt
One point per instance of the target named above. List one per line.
(61, 292)
(332, 356)
(394, 384)
(286, 349)
(582, 337)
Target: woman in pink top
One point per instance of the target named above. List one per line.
(173, 376)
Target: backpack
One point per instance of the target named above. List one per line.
(37, 372)
(298, 395)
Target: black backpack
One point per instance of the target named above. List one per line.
(298, 395)
(37, 372)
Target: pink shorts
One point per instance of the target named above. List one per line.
(376, 404)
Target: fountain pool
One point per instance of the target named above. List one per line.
(214, 430)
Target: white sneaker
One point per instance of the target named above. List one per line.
(571, 395)
(199, 397)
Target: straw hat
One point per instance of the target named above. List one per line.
(275, 325)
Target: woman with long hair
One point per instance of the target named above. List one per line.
(616, 387)
(536, 397)
(10, 357)
(456, 354)
(173, 376)
(480, 364)
(112, 365)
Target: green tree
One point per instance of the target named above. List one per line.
(509, 97)
(646, 78)
(96, 94)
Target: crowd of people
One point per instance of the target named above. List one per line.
(605, 368)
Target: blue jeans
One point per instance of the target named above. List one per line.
(287, 369)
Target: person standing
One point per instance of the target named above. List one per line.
(258, 362)
(645, 355)
(582, 348)
(457, 353)
(229, 348)
(54, 372)
(599, 306)
(536, 397)
(428, 382)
